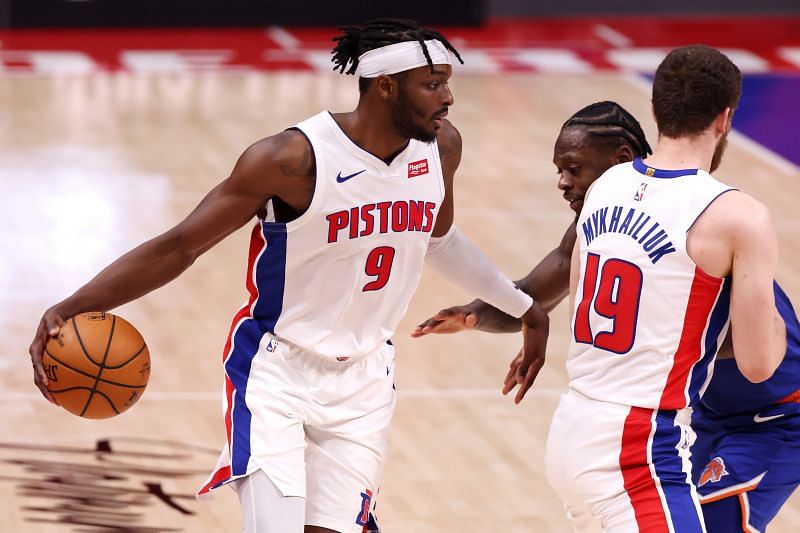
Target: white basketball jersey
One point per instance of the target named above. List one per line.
(647, 321)
(338, 279)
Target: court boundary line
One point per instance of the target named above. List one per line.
(425, 394)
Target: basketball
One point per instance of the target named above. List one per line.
(97, 366)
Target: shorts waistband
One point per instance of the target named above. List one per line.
(668, 413)
(275, 340)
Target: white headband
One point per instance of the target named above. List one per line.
(399, 57)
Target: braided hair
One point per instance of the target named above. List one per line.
(611, 121)
(356, 40)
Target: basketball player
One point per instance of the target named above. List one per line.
(664, 256)
(362, 198)
(744, 459)
(590, 142)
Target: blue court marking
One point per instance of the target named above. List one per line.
(769, 112)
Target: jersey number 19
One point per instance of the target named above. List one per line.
(615, 297)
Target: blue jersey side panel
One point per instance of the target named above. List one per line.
(719, 398)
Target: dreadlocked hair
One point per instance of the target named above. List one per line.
(356, 40)
(611, 121)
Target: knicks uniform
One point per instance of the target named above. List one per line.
(308, 364)
(748, 439)
(646, 326)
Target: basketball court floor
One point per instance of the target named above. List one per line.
(109, 138)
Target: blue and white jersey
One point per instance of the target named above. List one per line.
(337, 280)
(730, 394)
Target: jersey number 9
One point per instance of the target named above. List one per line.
(379, 265)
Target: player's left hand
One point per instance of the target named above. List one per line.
(530, 359)
(450, 320)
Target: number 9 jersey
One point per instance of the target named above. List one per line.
(647, 321)
(337, 280)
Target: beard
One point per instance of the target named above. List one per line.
(719, 151)
(403, 114)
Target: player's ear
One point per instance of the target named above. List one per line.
(724, 120)
(386, 86)
(624, 154)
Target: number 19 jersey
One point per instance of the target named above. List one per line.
(647, 321)
(337, 280)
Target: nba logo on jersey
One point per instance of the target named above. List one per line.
(363, 514)
(418, 168)
(713, 472)
(640, 193)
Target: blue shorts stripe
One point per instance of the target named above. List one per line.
(245, 347)
(674, 482)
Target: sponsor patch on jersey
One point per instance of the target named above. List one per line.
(417, 168)
(714, 471)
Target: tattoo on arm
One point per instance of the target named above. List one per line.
(451, 147)
(303, 169)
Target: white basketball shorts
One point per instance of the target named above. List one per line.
(318, 428)
(622, 469)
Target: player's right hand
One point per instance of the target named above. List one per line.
(529, 361)
(49, 326)
(450, 320)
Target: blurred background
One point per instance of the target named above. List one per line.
(116, 117)
(143, 13)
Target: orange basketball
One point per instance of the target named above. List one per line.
(97, 366)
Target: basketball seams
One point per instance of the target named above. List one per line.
(134, 356)
(68, 389)
(88, 375)
(59, 391)
(78, 370)
(102, 366)
(104, 395)
(80, 341)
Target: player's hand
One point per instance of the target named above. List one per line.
(49, 326)
(450, 320)
(530, 359)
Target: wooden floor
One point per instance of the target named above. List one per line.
(92, 165)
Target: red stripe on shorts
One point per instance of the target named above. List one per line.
(257, 245)
(219, 476)
(637, 478)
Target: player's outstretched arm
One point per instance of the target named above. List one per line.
(267, 168)
(759, 333)
(463, 263)
(548, 282)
